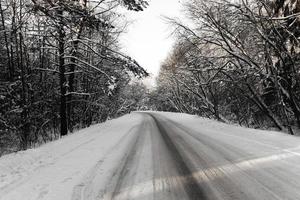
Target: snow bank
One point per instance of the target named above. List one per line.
(53, 170)
(215, 128)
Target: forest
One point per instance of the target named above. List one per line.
(237, 62)
(62, 68)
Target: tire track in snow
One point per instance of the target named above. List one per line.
(190, 183)
(83, 189)
(230, 177)
(128, 162)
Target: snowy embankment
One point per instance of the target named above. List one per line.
(218, 129)
(58, 169)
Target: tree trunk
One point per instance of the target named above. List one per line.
(62, 78)
(9, 63)
(72, 71)
(71, 84)
(24, 114)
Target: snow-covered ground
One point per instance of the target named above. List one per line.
(157, 156)
(59, 169)
(279, 139)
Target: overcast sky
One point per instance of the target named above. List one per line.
(148, 38)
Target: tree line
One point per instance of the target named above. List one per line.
(235, 61)
(61, 68)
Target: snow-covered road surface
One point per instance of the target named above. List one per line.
(159, 156)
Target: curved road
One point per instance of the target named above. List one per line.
(166, 160)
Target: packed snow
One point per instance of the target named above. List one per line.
(127, 158)
(52, 171)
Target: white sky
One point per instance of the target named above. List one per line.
(148, 39)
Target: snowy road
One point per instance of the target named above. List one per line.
(171, 161)
(159, 156)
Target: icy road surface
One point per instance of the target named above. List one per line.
(161, 156)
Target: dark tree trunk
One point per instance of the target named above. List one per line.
(71, 85)
(62, 77)
(72, 73)
(9, 62)
(24, 114)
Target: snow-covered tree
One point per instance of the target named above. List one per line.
(240, 64)
(60, 59)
